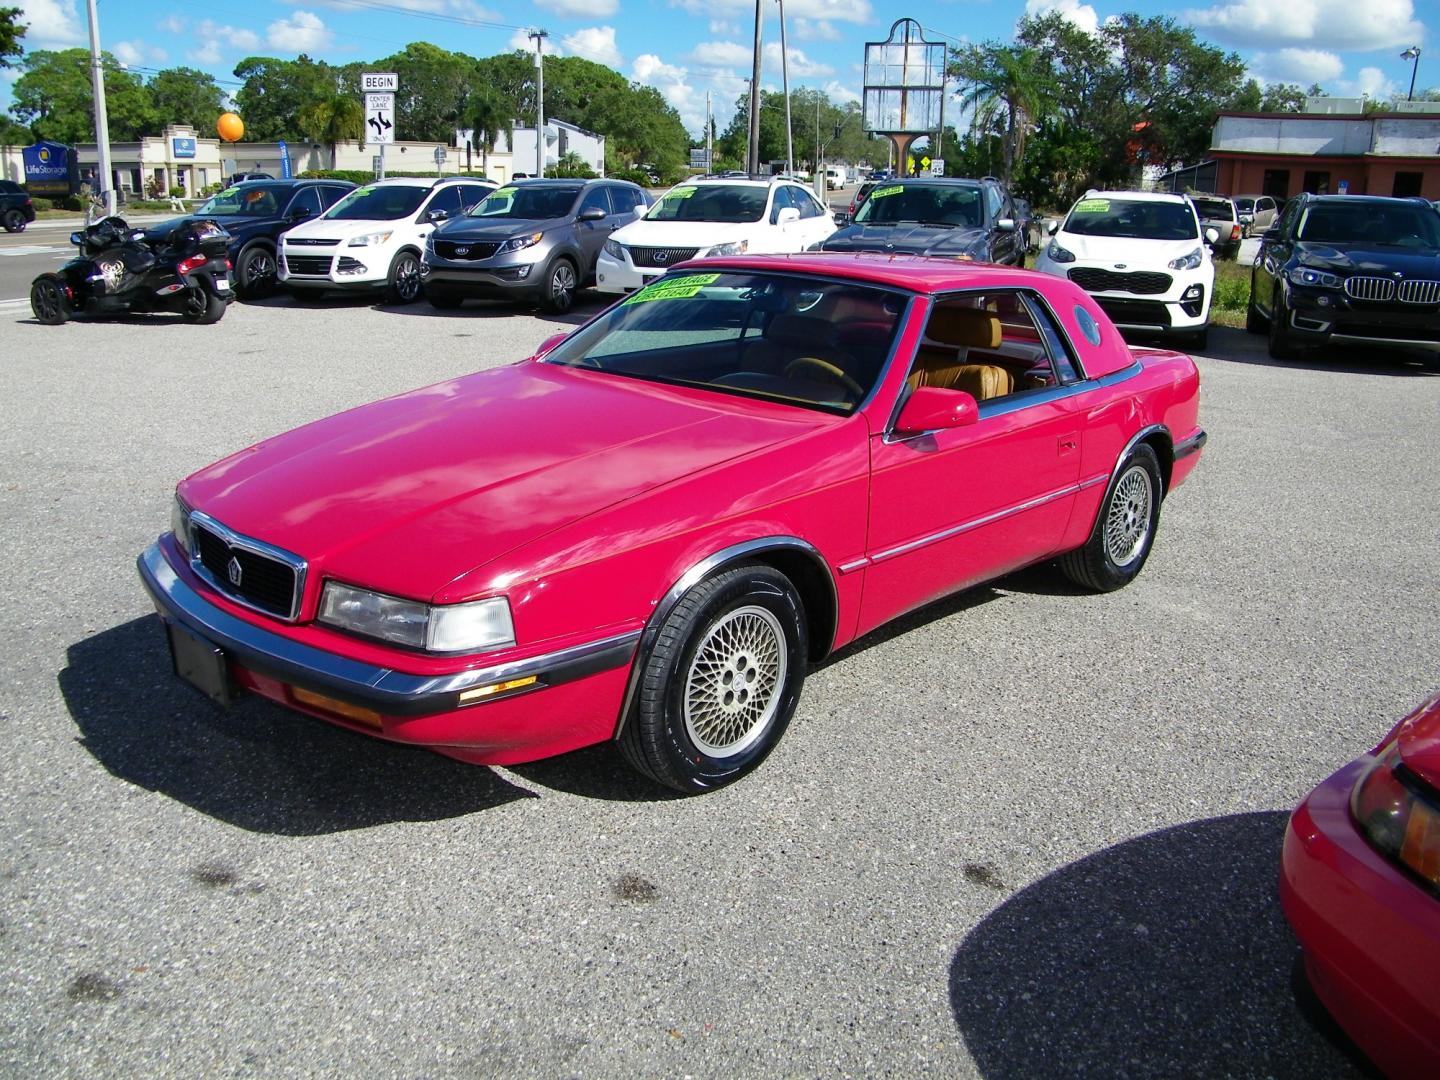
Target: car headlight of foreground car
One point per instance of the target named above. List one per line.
(1189, 261)
(1396, 819)
(520, 243)
(1319, 279)
(180, 526)
(614, 250)
(736, 247)
(369, 239)
(439, 628)
(1055, 253)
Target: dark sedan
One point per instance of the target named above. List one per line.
(960, 219)
(255, 213)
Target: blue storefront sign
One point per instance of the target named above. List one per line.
(182, 148)
(51, 169)
(285, 173)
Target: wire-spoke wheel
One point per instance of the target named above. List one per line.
(1124, 531)
(718, 686)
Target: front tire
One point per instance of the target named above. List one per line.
(1124, 531)
(256, 274)
(1282, 340)
(48, 302)
(561, 283)
(719, 687)
(403, 285)
(14, 221)
(202, 307)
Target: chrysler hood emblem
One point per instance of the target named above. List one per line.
(233, 571)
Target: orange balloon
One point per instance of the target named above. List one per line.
(230, 127)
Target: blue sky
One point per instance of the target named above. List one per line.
(688, 47)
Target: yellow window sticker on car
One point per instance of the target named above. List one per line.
(880, 193)
(1092, 206)
(681, 288)
(679, 193)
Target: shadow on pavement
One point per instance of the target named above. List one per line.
(915, 620)
(1164, 956)
(1239, 347)
(597, 772)
(256, 766)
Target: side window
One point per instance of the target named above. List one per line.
(1292, 212)
(470, 194)
(595, 197)
(330, 195)
(809, 208)
(1266, 204)
(994, 202)
(781, 201)
(305, 199)
(986, 344)
(447, 199)
(1062, 358)
(627, 199)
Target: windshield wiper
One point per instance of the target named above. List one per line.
(938, 224)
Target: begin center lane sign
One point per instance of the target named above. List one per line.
(379, 82)
(380, 118)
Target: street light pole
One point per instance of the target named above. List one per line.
(752, 164)
(1412, 53)
(104, 173)
(785, 80)
(538, 36)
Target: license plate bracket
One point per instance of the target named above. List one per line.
(200, 663)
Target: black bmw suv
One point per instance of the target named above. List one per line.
(959, 219)
(1348, 269)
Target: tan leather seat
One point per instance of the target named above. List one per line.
(982, 381)
(952, 332)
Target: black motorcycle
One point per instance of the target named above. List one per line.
(121, 270)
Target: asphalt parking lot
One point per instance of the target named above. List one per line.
(1025, 832)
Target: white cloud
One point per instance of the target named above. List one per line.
(171, 24)
(302, 32)
(50, 23)
(674, 85)
(721, 54)
(1082, 15)
(521, 40)
(127, 52)
(1304, 66)
(815, 30)
(724, 27)
(208, 54)
(1332, 24)
(244, 40)
(595, 43)
(838, 91)
(855, 11)
(580, 9)
(1369, 82)
(801, 66)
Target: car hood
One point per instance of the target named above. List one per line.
(1370, 259)
(408, 494)
(908, 239)
(468, 228)
(1135, 254)
(323, 228)
(231, 223)
(677, 234)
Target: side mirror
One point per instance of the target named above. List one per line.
(1212, 235)
(787, 215)
(1052, 226)
(932, 408)
(591, 213)
(437, 216)
(1005, 224)
(548, 344)
(77, 238)
(842, 218)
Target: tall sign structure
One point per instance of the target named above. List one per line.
(379, 89)
(904, 87)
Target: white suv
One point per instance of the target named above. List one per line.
(373, 238)
(712, 217)
(1143, 257)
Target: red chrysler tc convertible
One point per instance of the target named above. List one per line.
(649, 529)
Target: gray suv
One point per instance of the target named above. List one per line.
(532, 240)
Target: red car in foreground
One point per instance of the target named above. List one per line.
(648, 530)
(1360, 884)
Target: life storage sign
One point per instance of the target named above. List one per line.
(51, 169)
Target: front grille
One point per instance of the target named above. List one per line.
(1420, 292)
(299, 241)
(1135, 312)
(265, 583)
(649, 256)
(456, 249)
(314, 265)
(1369, 288)
(1141, 283)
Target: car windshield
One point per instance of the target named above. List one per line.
(1395, 225)
(1245, 206)
(792, 339)
(1134, 219)
(1215, 209)
(379, 202)
(932, 204)
(712, 202)
(528, 201)
(249, 200)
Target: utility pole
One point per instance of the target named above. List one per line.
(538, 36)
(752, 164)
(785, 82)
(709, 136)
(103, 173)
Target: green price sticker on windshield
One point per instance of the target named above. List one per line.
(1092, 206)
(885, 192)
(679, 193)
(363, 190)
(229, 191)
(502, 191)
(681, 288)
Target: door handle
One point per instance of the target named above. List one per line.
(1067, 443)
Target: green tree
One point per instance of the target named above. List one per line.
(489, 120)
(13, 134)
(336, 119)
(1009, 84)
(1284, 97)
(11, 31)
(54, 98)
(435, 87)
(277, 91)
(185, 96)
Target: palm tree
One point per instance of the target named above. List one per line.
(1010, 84)
(333, 120)
(490, 119)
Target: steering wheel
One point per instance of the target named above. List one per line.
(826, 368)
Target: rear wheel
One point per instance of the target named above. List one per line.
(255, 273)
(560, 284)
(14, 221)
(722, 682)
(403, 285)
(1124, 532)
(202, 307)
(48, 301)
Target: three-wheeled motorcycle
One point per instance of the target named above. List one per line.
(120, 270)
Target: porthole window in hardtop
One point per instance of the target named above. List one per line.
(986, 344)
(813, 343)
(1088, 326)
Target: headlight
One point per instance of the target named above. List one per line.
(1399, 821)
(1303, 275)
(449, 628)
(1189, 261)
(819, 245)
(180, 525)
(614, 250)
(369, 239)
(520, 243)
(737, 247)
(1055, 253)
